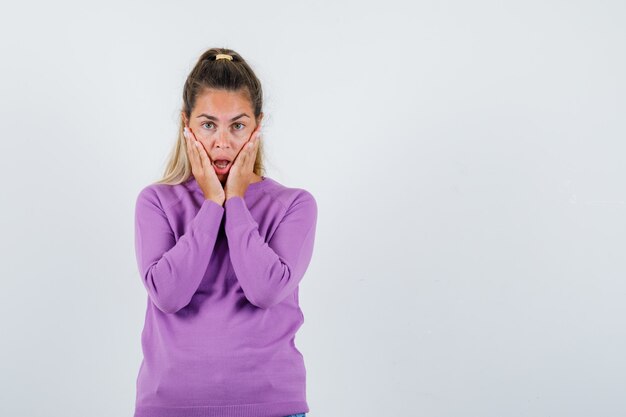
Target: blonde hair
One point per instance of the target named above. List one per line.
(221, 74)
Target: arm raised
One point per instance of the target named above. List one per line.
(269, 272)
(171, 270)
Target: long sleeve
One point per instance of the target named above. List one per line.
(171, 270)
(269, 271)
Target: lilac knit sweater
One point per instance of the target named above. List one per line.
(222, 300)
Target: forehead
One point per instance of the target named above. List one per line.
(223, 103)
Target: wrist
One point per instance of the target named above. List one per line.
(229, 196)
(216, 201)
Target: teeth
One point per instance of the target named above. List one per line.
(221, 164)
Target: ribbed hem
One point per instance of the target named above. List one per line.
(243, 410)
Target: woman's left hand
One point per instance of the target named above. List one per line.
(241, 172)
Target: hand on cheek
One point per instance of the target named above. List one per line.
(202, 168)
(241, 173)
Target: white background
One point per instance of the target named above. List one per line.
(468, 160)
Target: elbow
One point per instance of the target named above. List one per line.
(263, 298)
(263, 301)
(166, 306)
(166, 303)
(163, 298)
(270, 295)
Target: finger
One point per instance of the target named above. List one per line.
(194, 155)
(204, 156)
(256, 133)
(253, 144)
(248, 155)
(200, 157)
(248, 145)
(240, 155)
(254, 138)
(243, 154)
(253, 152)
(205, 159)
(189, 149)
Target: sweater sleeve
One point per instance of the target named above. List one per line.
(269, 271)
(171, 270)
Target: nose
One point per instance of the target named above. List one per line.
(221, 139)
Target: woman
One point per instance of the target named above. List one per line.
(221, 249)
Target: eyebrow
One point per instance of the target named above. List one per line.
(215, 118)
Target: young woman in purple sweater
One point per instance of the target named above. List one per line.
(221, 249)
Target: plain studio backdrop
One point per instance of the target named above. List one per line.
(468, 160)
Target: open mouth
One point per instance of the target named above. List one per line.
(221, 164)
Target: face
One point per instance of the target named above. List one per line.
(223, 121)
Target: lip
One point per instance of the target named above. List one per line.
(222, 170)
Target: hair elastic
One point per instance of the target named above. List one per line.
(223, 56)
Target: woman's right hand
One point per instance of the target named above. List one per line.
(202, 169)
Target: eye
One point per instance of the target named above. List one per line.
(242, 125)
(206, 123)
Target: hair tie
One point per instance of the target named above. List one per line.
(223, 56)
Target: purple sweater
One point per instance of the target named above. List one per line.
(222, 300)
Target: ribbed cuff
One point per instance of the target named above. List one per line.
(237, 213)
(209, 217)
